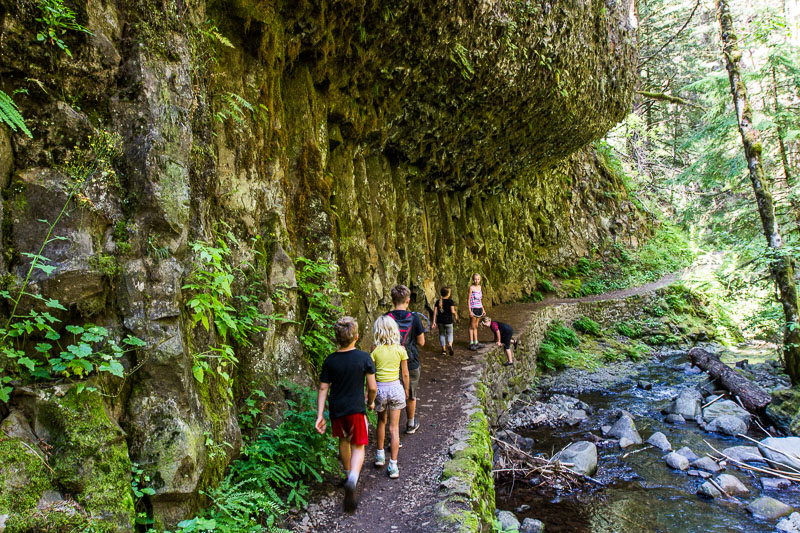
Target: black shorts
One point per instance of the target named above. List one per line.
(477, 311)
(506, 340)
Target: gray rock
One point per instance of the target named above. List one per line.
(790, 524)
(605, 429)
(675, 419)
(688, 453)
(708, 464)
(726, 408)
(727, 425)
(531, 525)
(659, 440)
(576, 417)
(692, 370)
(687, 404)
(731, 484)
(625, 427)
(582, 454)
(709, 490)
(769, 508)
(625, 442)
(699, 473)
(677, 461)
(3, 518)
(790, 446)
(645, 385)
(744, 454)
(775, 483)
(508, 521)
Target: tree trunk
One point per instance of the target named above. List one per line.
(752, 396)
(781, 265)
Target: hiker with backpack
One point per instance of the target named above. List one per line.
(412, 334)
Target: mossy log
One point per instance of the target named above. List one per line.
(752, 397)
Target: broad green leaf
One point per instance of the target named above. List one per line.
(55, 304)
(113, 367)
(5, 393)
(198, 372)
(27, 362)
(75, 330)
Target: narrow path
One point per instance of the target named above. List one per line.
(407, 504)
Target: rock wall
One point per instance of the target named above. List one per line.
(405, 144)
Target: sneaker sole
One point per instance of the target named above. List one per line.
(378, 463)
(413, 430)
(394, 476)
(350, 502)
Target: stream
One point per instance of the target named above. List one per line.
(641, 492)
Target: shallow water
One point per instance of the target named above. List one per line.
(642, 492)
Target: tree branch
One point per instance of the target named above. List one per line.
(646, 61)
(667, 98)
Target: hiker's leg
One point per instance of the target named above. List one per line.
(394, 430)
(381, 429)
(344, 453)
(356, 457)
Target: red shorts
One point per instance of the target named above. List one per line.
(352, 428)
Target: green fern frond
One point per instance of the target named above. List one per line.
(10, 115)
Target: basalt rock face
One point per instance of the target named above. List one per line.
(407, 143)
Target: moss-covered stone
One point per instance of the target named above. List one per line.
(784, 410)
(23, 477)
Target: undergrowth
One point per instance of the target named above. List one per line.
(560, 349)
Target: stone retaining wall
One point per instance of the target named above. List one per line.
(466, 493)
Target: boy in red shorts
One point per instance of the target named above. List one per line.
(344, 372)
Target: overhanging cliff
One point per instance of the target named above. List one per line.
(407, 142)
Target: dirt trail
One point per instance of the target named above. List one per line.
(407, 504)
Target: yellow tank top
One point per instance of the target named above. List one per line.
(387, 361)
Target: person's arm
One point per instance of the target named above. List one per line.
(469, 297)
(322, 395)
(435, 312)
(497, 335)
(404, 371)
(454, 312)
(372, 391)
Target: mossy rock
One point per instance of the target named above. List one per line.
(784, 410)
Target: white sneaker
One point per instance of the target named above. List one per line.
(380, 458)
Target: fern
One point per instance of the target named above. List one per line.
(10, 115)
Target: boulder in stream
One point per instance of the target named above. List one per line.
(708, 490)
(708, 464)
(790, 524)
(744, 454)
(531, 525)
(675, 419)
(788, 450)
(659, 440)
(625, 428)
(582, 454)
(699, 473)
(769, 508)
(775, 483)
(731, 484)
(687, 404)
(726, 408)
(508, 521)
(676, 461)
(727, 425)
(688, 453)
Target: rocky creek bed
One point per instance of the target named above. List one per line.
(644, 425)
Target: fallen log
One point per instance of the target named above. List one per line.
(752, 397)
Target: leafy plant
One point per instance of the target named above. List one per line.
(585, 324)
(233, 105)
(631, 330)
(316, 284)
(559, 349)
(57, 19)
(272, 474)
(214, 305)
(31, 346)
(10, 115)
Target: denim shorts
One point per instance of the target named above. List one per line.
(391, 396)
(445, 334)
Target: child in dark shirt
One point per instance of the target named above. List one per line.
(504, 335)
(444, 314)
(343, 373)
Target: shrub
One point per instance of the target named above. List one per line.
(572, 287)
(586, 325)
(630, 330)
(545, 286)
(559, 349)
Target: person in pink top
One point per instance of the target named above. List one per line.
(475, 311)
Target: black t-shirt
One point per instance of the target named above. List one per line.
(416, 329)
(444, 315)
(346, 372)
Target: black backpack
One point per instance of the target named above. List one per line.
(404, 324)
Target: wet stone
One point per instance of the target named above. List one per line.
(508, 521)
(789, 446)
(688, 453)
(727, 425)
(790, 524)
(744, 454)
(731, 484)
(708, 490)
(769, 508)
(775, 483)
(699, 473)
(677, 461)
(531, 525)
(675, 419)
(708, 464)
(659, 440)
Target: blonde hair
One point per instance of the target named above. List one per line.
(486, 321)
(386, 331)
(345, 330)
(475, 275)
